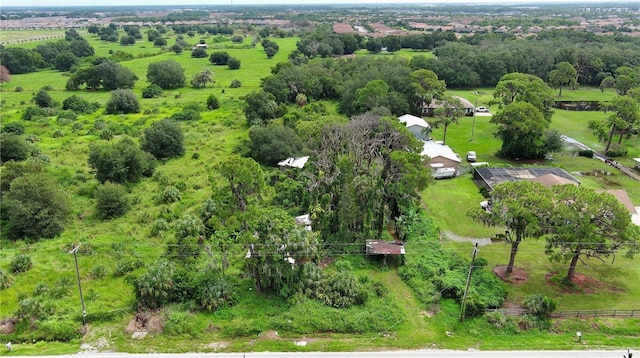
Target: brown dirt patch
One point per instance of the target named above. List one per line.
(511, 305)
(270, 335)
(7, 326)
(517, 277)
(147, 321)
(580, 284)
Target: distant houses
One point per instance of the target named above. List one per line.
(428, 110)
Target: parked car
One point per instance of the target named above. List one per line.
(471, 156)
(441, 173)
(482, 109)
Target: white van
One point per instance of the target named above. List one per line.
(442, 173)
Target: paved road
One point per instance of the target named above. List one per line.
(388, 354)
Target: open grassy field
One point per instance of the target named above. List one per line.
(254, 317)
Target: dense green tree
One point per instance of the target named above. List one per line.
(260, 107)
(36, 207)
(122, 101)
(159, 41)
(270, 48)
(273, 143)
(19, 60)
(564, 75)
(374, 94)
(121, 162)
(519, 87)
(166, 74)
(64, 61)
(81, 48)
(219, 58)
(521, 127)
(426, 86)
(127, 40)
(115, 76)
(164, 139)
(245, 178)
(586, 224)
(521, 207)
(626, 115)
(111, 200)
(43, 99)
(14, 148)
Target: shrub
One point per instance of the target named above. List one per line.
(44, 99)
(58, 331)
(235, 84)
(186, 115)
(16, 128)
(106, 134)
(19, 89)
(586, 153)
(99, 271)
(29, 308)
(152, 91)
(616, 151)
(159, 226)
(166, 74)
(199, 52)
(6, 280)
(212, 102)
(120, 162)
(153, 287)
(20, 263)
(79, 105)
(122, 101)
(13, 148)
(125, 266)
(57, 134)
(169, 195)
(33, 111)
(111, 200)
(164, 139)
(233, 63)
(179, 323)
(541, 305)
(219, 58)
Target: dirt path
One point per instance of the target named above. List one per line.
(482, 241)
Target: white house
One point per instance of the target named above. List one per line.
(416, 125)
(440, 155)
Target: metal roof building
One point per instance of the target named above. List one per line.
(490, 177)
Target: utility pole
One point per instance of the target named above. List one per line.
(473, 126)
(466, 289)
(75, 258)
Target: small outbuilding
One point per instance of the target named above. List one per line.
(384, 248)
(440, 155)
(416, 125)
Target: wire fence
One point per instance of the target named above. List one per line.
(615, 313)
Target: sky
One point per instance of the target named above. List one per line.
(255, 2)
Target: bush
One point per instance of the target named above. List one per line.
(153, 287)
(186, 115)
(159, 227)
(13, 148)
(32, 112)
(235, 84)
(122, 101)
(44, 99)
(121, 162)
(541, 305)
(16, 128)
(233, 63)
(166, 74)
(125, 266)
(212, 102)
(164, 139)
(219, 58)
(169, 195)
(20, 263)
(57, 331)
(179, 323)
(586, 153)
(616, 151)
(111, 200)
(99, 271)
(6, 280)
(106, 134)
(199, 52)
(152, 91)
